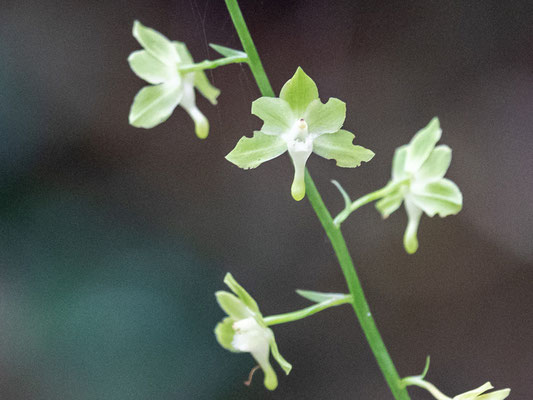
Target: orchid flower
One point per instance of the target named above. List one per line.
(418, 170)
(245, 330)
(159, 64)
(298, 122)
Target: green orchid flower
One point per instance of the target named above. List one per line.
(159, 64)
(298, 122)
(418, 170)
(244, 330)
(479, 394)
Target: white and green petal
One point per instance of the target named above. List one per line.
(154, 104)
(414, 213)
(390, 203)
(436, 165)
(421, 145)
(156, 44)
(441, 197)
(299, 91)
(276, 113)
(252, 152)
(479, 394)
(339, 147)
(151, 69)
(325, 118)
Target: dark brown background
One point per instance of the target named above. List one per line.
(115, 238)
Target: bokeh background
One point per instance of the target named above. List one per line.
(114, 239)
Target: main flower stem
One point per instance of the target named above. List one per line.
(334, 234)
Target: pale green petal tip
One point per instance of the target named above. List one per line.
(410, 239)
(224, 333)
(201, 127)
(136, 26)
(298, 189)
(271, 380)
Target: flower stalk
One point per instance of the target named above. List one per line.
(211, 64)
(359, 303)
(306, 312)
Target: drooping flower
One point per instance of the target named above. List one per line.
(244, 330)
(418, 170)
(479, 394)
(159, 64)
(298, 122)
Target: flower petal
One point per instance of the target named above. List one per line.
(398, 163)
(422, 144)
(188, 102)
(200, 78)
(339, 146)
(325, 118)
(241, 293)
(276, 113)
(441, 197)
(154, 104)
(224, 333)
(252, 152)
(390, 203)
(150, 69)
(183, 52)
(299, 153)
(473, 394)
(497, 395)
(299, 91)
(262, 357)
(233, 306)
(436, 165)
(284, 364)
(201, 82)
(410, 240)
(155, 43)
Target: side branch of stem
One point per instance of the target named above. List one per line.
(210, 64)
(306, 312)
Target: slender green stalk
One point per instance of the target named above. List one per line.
(210, 64)
(359, 303)
(368, 198)
(417, 381)
(306, 312)
(249, 47)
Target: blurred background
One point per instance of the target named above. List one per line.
(114, 239)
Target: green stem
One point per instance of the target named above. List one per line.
(210, 64)
(368, 198)
(417, 381)
(306, 312)
(248, 45)
(359, 303)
